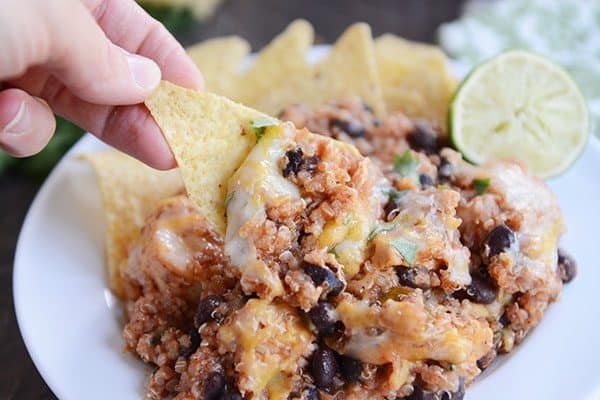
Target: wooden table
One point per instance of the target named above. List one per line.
(256, 20)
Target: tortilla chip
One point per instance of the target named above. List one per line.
(280, 72)
(415, 77)
(350, 70)
(209, 136)
(220, 60)
(282, 75)
(130, 191)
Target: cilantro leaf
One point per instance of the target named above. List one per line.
(260, 124)
(407, 250)
(481, 185)
(227, 201)
(334, 252)
(394, 194)
(406, 165)
(379, 229)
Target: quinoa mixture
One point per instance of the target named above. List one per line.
(376, 266)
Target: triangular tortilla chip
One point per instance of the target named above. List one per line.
(280, 72)
(350, 70)
(210, 138)
(220, 60)
(130, 191)
(282, 75)
(415, 77)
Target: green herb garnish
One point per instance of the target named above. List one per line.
(260, 124)
(481, 185)
(407, 250)
(379, 229)
(406, 165)
(334, 252)
(227, 201)
(394, 194)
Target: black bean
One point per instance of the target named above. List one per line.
(425, 180)
(195, 341)
(391, 209)
(500, 239)
(155, 339)
(206, 309)
(504, 320)
(421, 394)
(231, 393)
(486, 360)
(479, 291)
(350, 368)
(294, 159)
(351, 127)
(423, 138)
(311, 393)
(320, 275)
(445, 170)
(214, 386)
(567, 267)
(460, 392)
(407, 277)
(323, 367)
(309, 164)
(322, 315)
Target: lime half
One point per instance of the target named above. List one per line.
(520, 106)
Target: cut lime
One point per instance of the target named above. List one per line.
(520, 106)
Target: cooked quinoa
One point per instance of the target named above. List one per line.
(378, 265)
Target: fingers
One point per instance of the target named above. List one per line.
(26, 123)
(89, 64)
(130, 27)
(133, 130)
(130, 129)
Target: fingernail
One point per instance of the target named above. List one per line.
(20, 122)
(144, 71)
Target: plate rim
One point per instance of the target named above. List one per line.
(30, 346)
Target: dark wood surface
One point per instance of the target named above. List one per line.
(256, 20)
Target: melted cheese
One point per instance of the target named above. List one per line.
(348, 235)
(411, 330)
(542, 222)
(255, 184)
(270, 342)
(427, 220)
(172, 249)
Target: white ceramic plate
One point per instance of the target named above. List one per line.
(71, 326)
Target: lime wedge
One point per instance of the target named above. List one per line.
(520, 106)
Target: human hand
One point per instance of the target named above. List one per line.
(92, 62)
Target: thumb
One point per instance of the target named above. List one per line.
(91, 66)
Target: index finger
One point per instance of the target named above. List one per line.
(127, 25)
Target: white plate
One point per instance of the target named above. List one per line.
(71, 326)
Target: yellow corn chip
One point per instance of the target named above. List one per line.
(282, 76)
(219, 61)
(130, 191)
(280, 73)
(350, 70)
(415, 78)
(209, 137)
